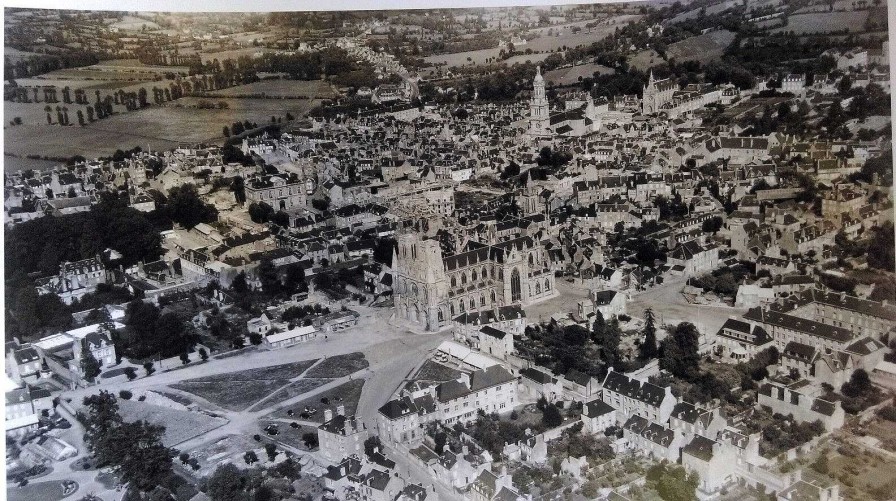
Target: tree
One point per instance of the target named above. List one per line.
(271, 451)
(184, 458)
(679, 351)
(148, 367)
(239, 285)
(90, 366)
(186, 208)
(131, 373)
(226, 484)
(310, 440)
(648, 348)
(203, 354)
(250, 457)
(858, 385)
(551, 416)
(226, 131)
(260, 212)
(185, 358)
(270, 280)
(238, 186)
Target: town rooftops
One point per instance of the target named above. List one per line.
(700, 447)
(537, 375)
(596, 408)
(783, 320)
(648, 393)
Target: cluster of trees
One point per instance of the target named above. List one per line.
(678, 352)
(492, 434)
(38, 247)
(672, 482)
(786, 433)
(723, 281)
(151, 332)
(553, 159)
(859, 393)
(134, 450)
(231, 483)
(184, 207)
(878, 169)
(295, 314)
(261, 213)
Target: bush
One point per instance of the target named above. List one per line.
(125, 394)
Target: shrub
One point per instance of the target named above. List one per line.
(125, 394)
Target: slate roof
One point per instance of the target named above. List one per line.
(700, 447)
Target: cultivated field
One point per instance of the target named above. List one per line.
(712, 9)
(15, 164)
(179, 425)
(131, 23)
(232, 54)
(823, 22)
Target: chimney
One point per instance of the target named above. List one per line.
(328, 415)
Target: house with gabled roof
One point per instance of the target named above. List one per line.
(630, 397)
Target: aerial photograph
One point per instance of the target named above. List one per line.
(604, 251)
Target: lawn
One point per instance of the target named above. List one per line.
(38, 491)
(235, 395)
(346, 394)
(179, 425)
(339, 366)
(295, 389)
(282, 371)
(230, 449)
(286, 435)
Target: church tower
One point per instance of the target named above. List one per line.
(539, 119)
(648, 101)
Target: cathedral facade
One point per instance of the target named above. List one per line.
(431, 289)
(656, 94)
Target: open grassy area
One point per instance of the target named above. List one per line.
(703, 48)
(823, 22)
(346, 394)
(339, 366)
(157, 127)
(232, 395)
(280, 89)
(862, 474)
(282, 371)
(571, 75)
(179, 425)
(38, 491)
(295, 389)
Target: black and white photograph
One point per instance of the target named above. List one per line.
(480, 251)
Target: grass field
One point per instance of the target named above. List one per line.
(702, 48)
(339, 366)
(282, 371)
(158, 127)
(570, 76)
(231, 395)
(38, 491)
(280, 89)
(346, 394)
(179, 425)
(822, 22)
(295, 389)
(543, 44)
(864, 476)
(15, 164)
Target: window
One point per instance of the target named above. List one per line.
(472, 304)
(453, 281)
(516, 293)
(473, 276)
(547, 285)
(463, 278)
